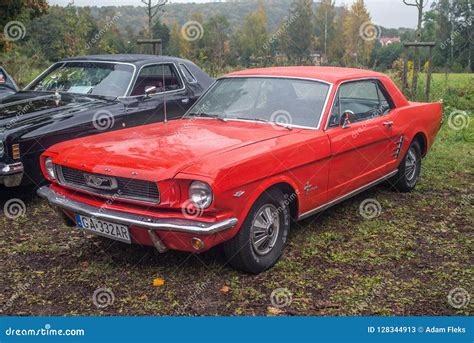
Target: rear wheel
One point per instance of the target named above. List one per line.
(409, 170)
(260, 241)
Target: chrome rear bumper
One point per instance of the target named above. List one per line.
(146, 222)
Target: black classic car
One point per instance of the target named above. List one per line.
(7, 84)
(87, 95)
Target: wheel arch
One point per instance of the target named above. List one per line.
(422, 140)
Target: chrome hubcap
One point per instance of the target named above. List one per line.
(411, 165)
(265, 229)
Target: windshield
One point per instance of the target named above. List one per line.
(291, 102)
(92, 78)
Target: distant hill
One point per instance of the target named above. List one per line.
(134, 18)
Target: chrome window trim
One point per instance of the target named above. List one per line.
(328, 95)
(88, 61)
(161, 93)
(189, 71)
(337, 90)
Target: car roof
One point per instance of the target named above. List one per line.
(136, 59)
(328, 74)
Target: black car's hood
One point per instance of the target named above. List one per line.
(26, 107)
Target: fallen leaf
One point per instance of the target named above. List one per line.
(225, 289)
(158, 282)
(274, 311)
(85, 264)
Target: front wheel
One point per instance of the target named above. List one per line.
(260, 241)
(409, 170)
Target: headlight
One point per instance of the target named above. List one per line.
(49, 166)
(200, 194)
(2, 149)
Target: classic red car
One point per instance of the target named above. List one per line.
(260, 148)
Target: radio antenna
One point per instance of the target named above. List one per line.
(164, 89)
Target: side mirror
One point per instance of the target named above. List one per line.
(346, 119)
(150, 90)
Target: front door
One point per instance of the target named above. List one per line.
(362, 147)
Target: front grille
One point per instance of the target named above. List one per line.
(125, 188)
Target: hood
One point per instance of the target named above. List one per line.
(33, 107)
(159, 151)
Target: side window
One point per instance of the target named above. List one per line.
(162, 76)
(187, 73)
(364, 98)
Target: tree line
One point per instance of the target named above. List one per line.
(306, 33)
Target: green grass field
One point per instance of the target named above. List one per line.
(404, 262)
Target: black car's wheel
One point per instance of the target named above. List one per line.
(260, 241)
(409, 170)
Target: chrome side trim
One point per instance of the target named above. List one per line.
(346, 196)
(145, 222)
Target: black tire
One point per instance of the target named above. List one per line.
(242, 252)
(405, 181)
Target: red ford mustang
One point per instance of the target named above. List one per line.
(259, 148)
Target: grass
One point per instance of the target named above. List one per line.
(404, 262)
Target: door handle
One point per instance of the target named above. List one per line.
(185, 101)
(388, 123)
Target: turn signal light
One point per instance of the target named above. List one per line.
(197, 243)
(16, 151)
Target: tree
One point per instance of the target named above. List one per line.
(177, 45)
(325, 25)
(299, 39)
(419, 4)
(251, 39)
(216, 42)
(336, 46)
(358, 49)
(153, 8)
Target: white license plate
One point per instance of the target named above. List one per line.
(103, 228)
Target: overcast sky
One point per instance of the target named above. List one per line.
(388, 13)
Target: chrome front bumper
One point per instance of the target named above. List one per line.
(11, 174)
(146, 222)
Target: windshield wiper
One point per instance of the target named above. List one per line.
(208, 115)
(267, 122)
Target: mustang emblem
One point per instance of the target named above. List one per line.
(100, 182)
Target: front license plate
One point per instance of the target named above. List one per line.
(110, 230)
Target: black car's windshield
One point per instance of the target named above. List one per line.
(92, 78)
(292, 102)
